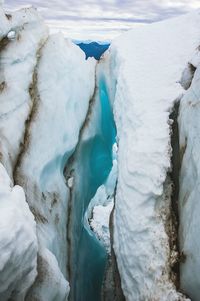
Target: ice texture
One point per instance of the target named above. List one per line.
(18, 241)
(18, 58)
(189, 205)
(143, 71)
(45, 88)
(60, 108)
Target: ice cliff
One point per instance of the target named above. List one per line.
(146, 65)
(189, 184)
(44, 101)
(99, 164)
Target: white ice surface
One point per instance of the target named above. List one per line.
(17, 62)
(4, 23)
(143, 71)
(148, 63)
(18, 241)
(100, 208)
(100, 223)
(50, 285)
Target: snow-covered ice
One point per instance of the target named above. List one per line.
(18, 241)
(46, 86)
(148, 63)
(17, 62)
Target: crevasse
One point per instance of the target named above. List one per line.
(91, 167)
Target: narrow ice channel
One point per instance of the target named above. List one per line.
(92, 166)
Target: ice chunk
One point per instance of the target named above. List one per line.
(11, 35)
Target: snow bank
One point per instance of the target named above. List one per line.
(189, 205)
(18, 241)
(149, 62)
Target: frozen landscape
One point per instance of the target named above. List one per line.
(99, 163)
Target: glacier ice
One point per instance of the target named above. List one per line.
(18, 56)
(189, 204)
(19, 246)
(146, 80)
(93, 195)
(57, 114)
(41, 116)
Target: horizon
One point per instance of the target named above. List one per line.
(102, 20)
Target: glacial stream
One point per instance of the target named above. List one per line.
(91, 167)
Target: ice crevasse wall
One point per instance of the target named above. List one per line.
(46, 89)
(37, 72)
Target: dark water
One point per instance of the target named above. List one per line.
(93, 49)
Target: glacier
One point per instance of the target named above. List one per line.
(99, 164)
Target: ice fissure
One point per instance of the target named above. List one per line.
(172, 225)
(69, 174)
(89, 171)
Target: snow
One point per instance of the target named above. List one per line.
(98, 212)
(70, 182)
(18, 241)
(100, 223)
(11, 35)
(149, 63)
(101, 206)
(189, 205)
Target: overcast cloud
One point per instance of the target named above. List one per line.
(103, 19)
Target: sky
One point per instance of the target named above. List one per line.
(105, 19)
